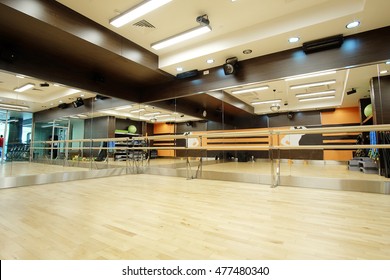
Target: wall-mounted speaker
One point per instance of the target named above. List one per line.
(230, 67)
(78, 102)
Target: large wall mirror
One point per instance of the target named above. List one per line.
(73, 130)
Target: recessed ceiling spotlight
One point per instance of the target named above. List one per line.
(293, 40)
(209, 61)
(247, 51)
(179, 69)
(353, 24)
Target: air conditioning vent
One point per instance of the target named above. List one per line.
(144, 23)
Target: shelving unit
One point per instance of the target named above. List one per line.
(126, 151)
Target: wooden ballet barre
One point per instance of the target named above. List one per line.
(230, 147)
(269, 132)
(342, 129)
(332, 147)
(122, 139)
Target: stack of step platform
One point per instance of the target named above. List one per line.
(363, 164)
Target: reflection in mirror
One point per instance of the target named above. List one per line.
(15, 131)
(327, 99)
(75, 129)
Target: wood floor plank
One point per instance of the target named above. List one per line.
(156, 217)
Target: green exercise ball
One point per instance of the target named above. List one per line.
(368, 110)
(132, 129)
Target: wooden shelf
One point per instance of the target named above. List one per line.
(367, 120)
(128, 134)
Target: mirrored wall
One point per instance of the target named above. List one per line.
(228, 134)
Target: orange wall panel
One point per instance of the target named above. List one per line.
(163, 128)
(337, 155)
(341, 116)
(166, 153)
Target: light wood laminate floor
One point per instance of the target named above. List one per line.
(23, 168)
(156, 217)
(260, 167)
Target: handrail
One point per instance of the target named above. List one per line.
(233, 146)
(268, 132)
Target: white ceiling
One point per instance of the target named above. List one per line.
(40, 97)
(344, 81)
(47, 94)
(262, 26)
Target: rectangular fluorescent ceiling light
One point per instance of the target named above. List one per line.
(186, 35)
(315, 93)
(137, 11)
(316, 98)
(24, 87)
(162, 116)
(11, 109)
(250, 90)
(265, 102)
(313, 84)
(123, 107)
(12, 106)
(152, 114)
(137, 111)
(310, 76)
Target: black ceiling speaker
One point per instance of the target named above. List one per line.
(352, 91)
(78, 102)
(101, 97)
(63, 106)
(323, 44)
(188, 74)
(230, 67)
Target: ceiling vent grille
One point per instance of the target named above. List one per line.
(144, 23)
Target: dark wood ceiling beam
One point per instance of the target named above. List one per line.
(65, 19)
(53, 43)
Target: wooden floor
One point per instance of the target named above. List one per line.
(260, 167)
(156, 217)
(23, 168)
